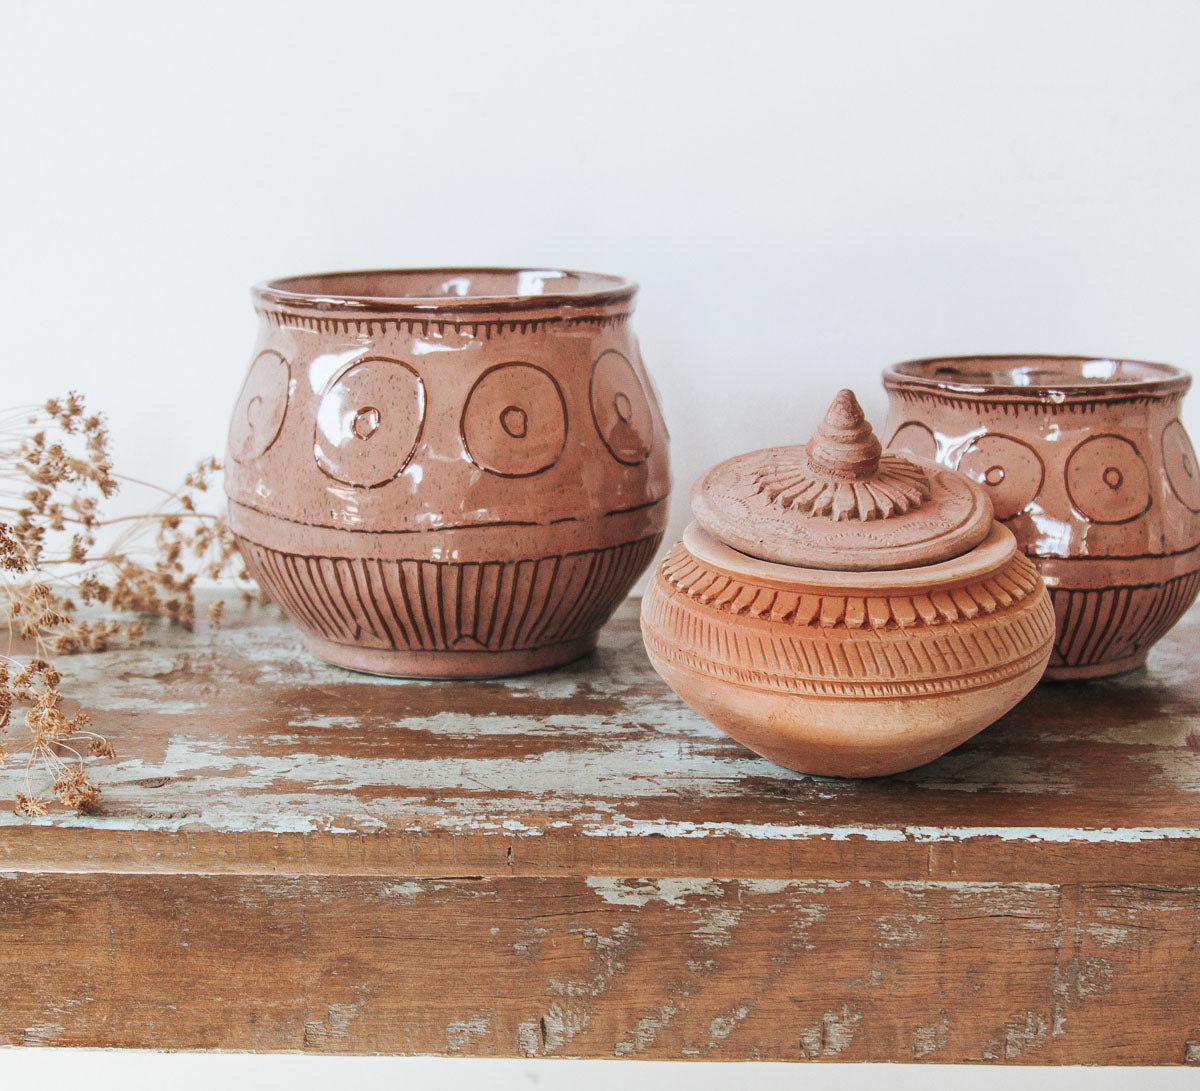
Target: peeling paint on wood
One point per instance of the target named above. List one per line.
(292, 857)
(240, 752)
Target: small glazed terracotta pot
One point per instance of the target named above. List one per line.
(1087, 462)
(843, 612)
(447, 472)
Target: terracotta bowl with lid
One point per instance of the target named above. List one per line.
(1087, 462)
(447, 472)
(845, 612)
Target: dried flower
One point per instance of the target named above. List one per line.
(55, 470)
(52, 741)
(55, 547)
(75, 790)
(31, 806)
(100, 747)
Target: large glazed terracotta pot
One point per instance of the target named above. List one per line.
(1087, 462)
(846, 612)
(447, 472)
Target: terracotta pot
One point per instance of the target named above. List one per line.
(447, 472)
(846, 613)
(1087, 462)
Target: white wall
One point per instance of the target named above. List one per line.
(806, 191)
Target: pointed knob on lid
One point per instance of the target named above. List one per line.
(844, 445)
(840, 503)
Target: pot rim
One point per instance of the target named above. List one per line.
(919, 376)
(320, 292)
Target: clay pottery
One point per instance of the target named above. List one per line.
(447, 472)
(846, 612)
(1088, 464)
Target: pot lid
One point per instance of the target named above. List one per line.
(840, 503)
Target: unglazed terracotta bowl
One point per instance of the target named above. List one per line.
(1087, 462)
(447, 472)
(845, 613)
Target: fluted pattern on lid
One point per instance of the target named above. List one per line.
(842, 472)
(839, 503)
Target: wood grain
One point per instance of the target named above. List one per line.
(292, 857)
(701, 968)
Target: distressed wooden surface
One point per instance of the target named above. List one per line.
(574, 864)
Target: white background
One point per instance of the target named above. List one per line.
(805, 191)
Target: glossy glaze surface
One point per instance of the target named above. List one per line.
(1087, 462)
(447, 472)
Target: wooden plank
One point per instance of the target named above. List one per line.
(292, 857)
(239, 752)
(702, 968)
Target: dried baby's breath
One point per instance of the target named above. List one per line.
(70, 578)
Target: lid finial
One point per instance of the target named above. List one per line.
(845, 444)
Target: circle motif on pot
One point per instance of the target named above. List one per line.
(369, 421)
(621, 409)
(515, 421)
(1010, 469)
(915, 438)
(1179, 459)
(261, 407)
(1107, 480)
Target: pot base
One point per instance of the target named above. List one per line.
(831, 737)
(1096, 670)
(448, 664)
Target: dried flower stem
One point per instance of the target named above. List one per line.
(55, 471)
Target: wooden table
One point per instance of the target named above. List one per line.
(293, 857)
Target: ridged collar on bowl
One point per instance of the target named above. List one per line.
(972, 378)
(534, 293)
